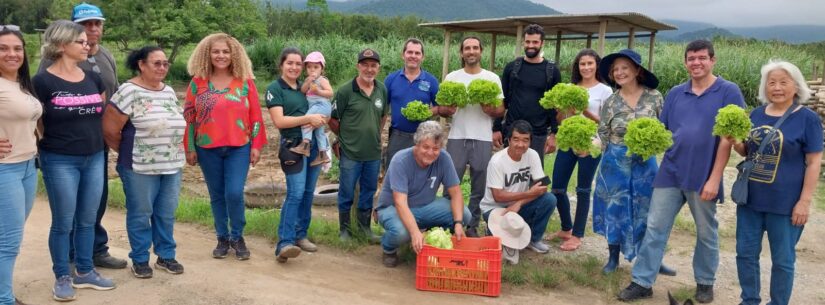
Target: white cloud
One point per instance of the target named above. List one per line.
(724, 13)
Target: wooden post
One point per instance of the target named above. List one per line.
(602, 33)
(519, 39)
(445, 66)
(650, 51)
(823, 71)
(631, 37)
(814, 72)
(558, 46)
(493, 53)
(589, 40)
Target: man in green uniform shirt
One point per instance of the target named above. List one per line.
(359, 111)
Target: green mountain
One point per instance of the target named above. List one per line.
(439, 10)
(708, 33)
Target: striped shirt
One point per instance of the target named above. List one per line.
(152, 139)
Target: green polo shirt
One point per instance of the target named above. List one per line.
(360, 120)
(279, 94)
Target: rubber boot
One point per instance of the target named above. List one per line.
(613, 260)
(343, 226)
(364, 218)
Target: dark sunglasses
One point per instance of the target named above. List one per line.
(10, 27)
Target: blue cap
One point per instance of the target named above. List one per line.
(85, 11)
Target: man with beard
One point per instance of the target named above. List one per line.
(524, 82)
(408, 84)
(358, 115)
(470, 142)
(100, 61)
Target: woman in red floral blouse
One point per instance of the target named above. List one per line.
(225, 132)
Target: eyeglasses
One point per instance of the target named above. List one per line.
(10, 27)
(160, 63)
(82, 42)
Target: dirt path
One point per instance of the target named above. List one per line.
(332, 276)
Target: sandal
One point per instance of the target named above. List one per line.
(571, 244)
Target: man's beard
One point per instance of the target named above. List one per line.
(531, 52)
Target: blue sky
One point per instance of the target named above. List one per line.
(723, 13)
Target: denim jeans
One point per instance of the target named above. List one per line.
(74, 185)
(438, 213)
(151, 201)
(664, 205)
(365, 173)
(317, 105)
(296, 212)
(225, 169)
(18, 180)
(782, 238)
(101, 245)
(536, 214)
(562, 171)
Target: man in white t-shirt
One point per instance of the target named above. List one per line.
(470, 142)
(517, 182)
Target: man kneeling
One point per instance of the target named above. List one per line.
(408, 199)
(516, 183)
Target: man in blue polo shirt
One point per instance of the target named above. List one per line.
(408, 84)
(691, 171)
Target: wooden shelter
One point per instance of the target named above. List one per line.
(558, 28)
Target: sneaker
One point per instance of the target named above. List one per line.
(92, 280)
(635, 292)
(287, 252)
(306, 245)
(222, 249)
(141, 270)
(241, 251)
(665, 270)
(390, 260)
(510, 255)
(169, 265)
(539, 247)
(704, 293)
(109, 262)
(63, 290)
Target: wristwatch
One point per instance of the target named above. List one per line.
(457, 222)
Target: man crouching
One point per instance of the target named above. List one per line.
(408, 199)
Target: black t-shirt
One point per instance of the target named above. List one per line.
(521, 97)
(72, 113)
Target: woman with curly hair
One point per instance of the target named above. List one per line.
(224, 132)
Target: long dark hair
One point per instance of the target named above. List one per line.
(23, 76)
(576, 76)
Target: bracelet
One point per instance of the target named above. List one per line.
(457, 222)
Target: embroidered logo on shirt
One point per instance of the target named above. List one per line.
(378, 103)
(424, 85)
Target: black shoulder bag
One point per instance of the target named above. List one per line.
(739, 191)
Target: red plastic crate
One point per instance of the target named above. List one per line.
(473, 266)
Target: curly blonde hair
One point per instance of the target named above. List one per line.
(200, 63)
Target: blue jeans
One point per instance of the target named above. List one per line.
(317, 105)
(562, 171)
(296, 212)
(74, 185)
(225, 169)
(438, 213)
(18, 180)
(782, 238)
(664, 205)
(151, 201)
(365, 173)
(536, 214)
